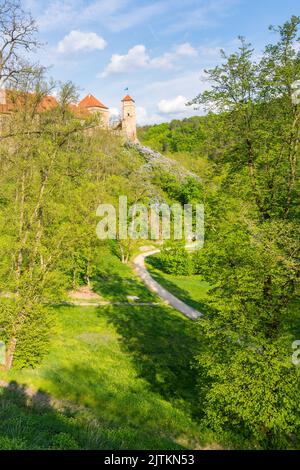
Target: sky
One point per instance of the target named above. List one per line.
(158, 49)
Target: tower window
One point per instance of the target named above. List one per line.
(128, 114)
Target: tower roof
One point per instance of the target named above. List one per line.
(127, 98)
(91, 102)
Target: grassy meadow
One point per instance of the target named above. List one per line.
(192, 290)
(127, 372)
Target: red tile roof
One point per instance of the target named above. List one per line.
(48, 102)
(5, 108)
(127, 98)
(16, 100)
(91, 102)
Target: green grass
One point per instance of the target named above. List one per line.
(125, 372)
(192, 290)
(129, 367)
(117, 281)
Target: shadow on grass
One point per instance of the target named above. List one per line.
(30, 422)
(131, 416)
(116, 287)
(163, 346)
(115, 280)
(154, 267)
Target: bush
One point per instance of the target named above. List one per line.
(176, 260)
(12, 443)
(64, 441)
(197, 257)
(34, 339)
(7, 315)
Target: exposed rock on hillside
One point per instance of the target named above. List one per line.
(155, 160)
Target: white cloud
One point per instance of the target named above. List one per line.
(81, 41)
(135, 58)
(186, 50)
(57, 14)
(210, 53)
(164, 61)
(188, 84)
(103, 9)
(144, 118)
(116, 15)
(173, 106)
(114, 112)
(168, 59)
(62, 13)
(138, 57)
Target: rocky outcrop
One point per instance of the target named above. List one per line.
(155, 160)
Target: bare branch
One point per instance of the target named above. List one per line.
(17, 36)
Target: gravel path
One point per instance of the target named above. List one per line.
(166, 296)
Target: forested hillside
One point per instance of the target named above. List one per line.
(249, 154)
(187, 135)
(131, 372)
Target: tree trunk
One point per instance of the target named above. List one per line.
(10, 353)
(14, 339)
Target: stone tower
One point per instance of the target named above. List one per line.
(129, 118)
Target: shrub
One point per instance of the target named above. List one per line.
(64, 441)
(34, 339)
(176, 260)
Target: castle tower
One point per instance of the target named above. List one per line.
(129, 118)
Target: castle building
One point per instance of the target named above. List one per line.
(129, 118)
(2, 96)
(94, 106)
(11, 100)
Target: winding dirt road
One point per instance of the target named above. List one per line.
(166, 296)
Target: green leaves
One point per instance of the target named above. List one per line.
(251, 253)
(177, 136)
(174, 259)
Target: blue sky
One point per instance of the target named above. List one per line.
(156, 48)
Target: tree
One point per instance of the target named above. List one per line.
(39, 216)
(174, 259)
(68, 95)
(251, 257)
(17, 36)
